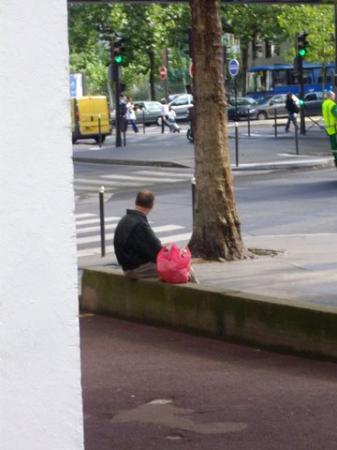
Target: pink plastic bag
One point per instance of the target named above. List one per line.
(174, 264)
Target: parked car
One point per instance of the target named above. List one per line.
(244, 104)
(266, 107)
(181, 105)
(313, 103)
(148, 112)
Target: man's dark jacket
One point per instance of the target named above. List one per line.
(135, 242)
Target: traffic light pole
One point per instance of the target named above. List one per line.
(117, 104)
(301, 80)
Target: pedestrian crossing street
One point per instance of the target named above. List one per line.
(89, 240)
(136, 179)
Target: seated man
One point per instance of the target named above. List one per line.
(136, 245)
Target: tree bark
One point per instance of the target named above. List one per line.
(216, 229)
(244, 67)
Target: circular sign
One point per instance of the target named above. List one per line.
(233, 67)
(191, 70)
(163, 73)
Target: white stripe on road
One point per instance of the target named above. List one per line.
(85, 230)
(170, 174)
(166, 240)
(176, 238)
(94, 239)
(100, 182)
(84, 215)
(145, 179)
(90, 221)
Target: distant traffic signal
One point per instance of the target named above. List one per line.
(118, 50)
(302, 45)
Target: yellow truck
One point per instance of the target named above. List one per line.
(90, 118)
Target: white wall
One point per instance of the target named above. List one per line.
(40, 392)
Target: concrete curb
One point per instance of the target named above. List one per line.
(257, 320)
(318, 162)
(128, 162)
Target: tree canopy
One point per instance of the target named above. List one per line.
(149, 29)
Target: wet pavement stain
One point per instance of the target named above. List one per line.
(165, 413)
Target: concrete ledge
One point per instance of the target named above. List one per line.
(260, 321)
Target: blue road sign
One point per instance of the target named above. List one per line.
(233, 67)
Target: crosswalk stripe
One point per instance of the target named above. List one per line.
(176, 238)
(84, 230)
(83, 215)
(100, 182)
(145, 179)
(164, 174)
(168, 239)
(91, 221)
(110, 236)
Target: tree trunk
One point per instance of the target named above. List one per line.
(244, 67)
(216, 229)
(151, 76)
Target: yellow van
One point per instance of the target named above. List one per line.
(89, 116)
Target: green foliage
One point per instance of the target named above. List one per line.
(149, 29)
(318, 22)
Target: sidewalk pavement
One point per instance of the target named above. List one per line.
(304, 267)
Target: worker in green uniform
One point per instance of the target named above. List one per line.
(329, 111)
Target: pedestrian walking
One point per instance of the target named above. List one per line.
(174, 127)
(292, 106)
(329, 112)
(131, 115)
(164, 115)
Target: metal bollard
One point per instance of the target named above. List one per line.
(143, 121)
(125, 123)
(275, 122)
(248, 115)
(296, 140)
(193, 198)
(102, 220)
(237, 144)
(99, 131)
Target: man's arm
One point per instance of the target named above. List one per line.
(147, 242)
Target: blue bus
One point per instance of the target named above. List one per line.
(280, 79)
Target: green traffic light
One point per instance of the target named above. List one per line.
(119, 59)
(303, 52)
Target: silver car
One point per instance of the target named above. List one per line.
(147, 111)
(181, 105)
(267, 106)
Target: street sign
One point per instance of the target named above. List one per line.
(233, 67)
(163, 73)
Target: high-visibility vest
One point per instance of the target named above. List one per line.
(329, 119)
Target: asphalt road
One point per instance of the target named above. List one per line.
(268, 202)
(147, 388)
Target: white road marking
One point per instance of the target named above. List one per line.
(104, 182)
(176, 238)
(164, 174)
(145, 179)
(110, 236)
(84, 215)
(90, 221)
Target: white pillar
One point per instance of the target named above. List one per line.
(40, 390)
